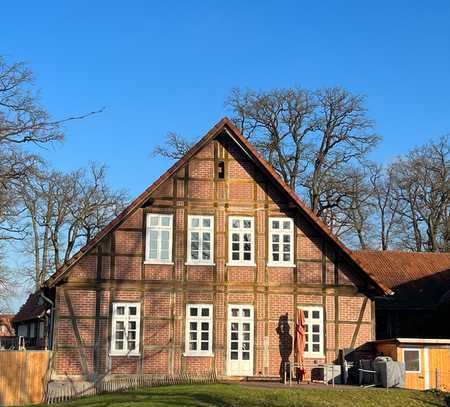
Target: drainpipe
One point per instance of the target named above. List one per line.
(52, 305)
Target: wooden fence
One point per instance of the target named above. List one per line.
(74, 390)
(24, 380)
(23, 376)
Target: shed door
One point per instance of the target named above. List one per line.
(415, 368)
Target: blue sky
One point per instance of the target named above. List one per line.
(161, 66)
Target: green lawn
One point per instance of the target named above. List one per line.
(232, 395)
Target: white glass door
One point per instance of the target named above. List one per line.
(240, 340)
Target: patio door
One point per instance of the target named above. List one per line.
(240, 340)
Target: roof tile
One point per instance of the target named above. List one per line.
(417, 276)
(33, 308)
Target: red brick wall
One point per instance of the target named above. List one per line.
(117, 272)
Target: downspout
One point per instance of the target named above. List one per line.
(52, 309)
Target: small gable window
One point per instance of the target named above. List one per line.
(125, 328)
(200, 239)
(281, 237)
(159, 239)
(221, 170)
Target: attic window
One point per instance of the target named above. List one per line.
(221, 170)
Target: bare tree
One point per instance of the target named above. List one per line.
(386, 203)
(94, 205)
(308, 137)
(305, 135)
(7, 280)
(14, 165)
(422, 181)
(22, 118)
(278, 123)
(314, 140)
(64, 212)
(174, 147)
(344, 133)
(23, 121)
(318, 142)
(359, 209)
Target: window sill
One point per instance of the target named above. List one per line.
(166, 263)
(125, 354)
(314, 356)
(281, 265)
(197, 355)
(250, 264)
(193, 263)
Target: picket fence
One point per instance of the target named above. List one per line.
(67, 392)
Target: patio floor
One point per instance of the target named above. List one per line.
(304, 385)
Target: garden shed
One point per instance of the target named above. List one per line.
(427, 361)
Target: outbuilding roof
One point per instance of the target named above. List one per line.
(422, 278)
(415, 341)
(33, 308)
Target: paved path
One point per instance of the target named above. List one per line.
(295, 386)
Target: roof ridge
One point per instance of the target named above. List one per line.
(239, 138)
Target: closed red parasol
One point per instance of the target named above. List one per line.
(299, 343)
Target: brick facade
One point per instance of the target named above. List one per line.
(115, 271)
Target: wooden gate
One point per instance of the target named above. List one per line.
(23, 376)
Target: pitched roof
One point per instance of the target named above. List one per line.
(420, 277)
(223, 126)
(33, 308)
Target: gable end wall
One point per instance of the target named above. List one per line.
(115, 271)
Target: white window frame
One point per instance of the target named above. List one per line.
(200, 230)
(198, 319)
(280, 232)
(313, 321)
(420, 359)
(159, 228)
(126, 317)
(241, 230)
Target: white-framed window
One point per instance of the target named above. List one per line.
(159, 238)
(125, 328)
(314, 331)
(411, 358)
(241, 239)
(200, 239)
(199, 325)
(281, 242)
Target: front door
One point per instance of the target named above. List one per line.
(240, 340)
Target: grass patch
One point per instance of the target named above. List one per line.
(233, 395)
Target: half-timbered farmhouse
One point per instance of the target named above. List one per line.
(205, 271)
